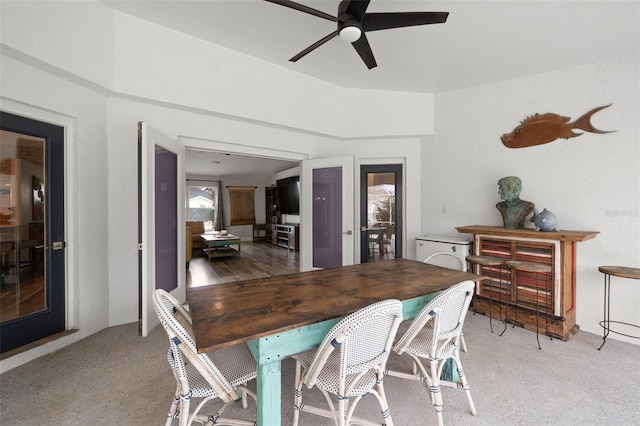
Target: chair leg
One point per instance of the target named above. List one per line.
(185, 402)
(424, 377)
(244, 400)
(382, 397)
(297, 395)
(465, 385)
(463, 343)
(173, 410)
(342, 411)
(434, 388)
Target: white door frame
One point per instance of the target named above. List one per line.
(151, 138)
(232, 148)
(347, 163)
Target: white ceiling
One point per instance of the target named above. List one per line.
(209, 163)
(481, 42)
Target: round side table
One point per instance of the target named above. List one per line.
(622, 272)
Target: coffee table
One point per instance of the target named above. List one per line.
(215, 245)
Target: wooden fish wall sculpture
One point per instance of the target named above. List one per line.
(539, 129)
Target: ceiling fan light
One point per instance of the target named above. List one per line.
(350, 33)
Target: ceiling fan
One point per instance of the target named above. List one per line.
(354, 21)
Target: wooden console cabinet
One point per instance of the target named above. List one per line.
(515, 296)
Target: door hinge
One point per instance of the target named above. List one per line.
(139, 246)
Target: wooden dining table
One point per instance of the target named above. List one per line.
(283, 315)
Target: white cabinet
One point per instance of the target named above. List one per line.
(430, 244)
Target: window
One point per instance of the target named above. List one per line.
(203, 204)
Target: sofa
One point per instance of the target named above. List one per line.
(195, 229)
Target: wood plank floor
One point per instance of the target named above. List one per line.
(22, 299)
(257, 260)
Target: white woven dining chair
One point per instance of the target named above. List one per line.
(350, 363)
(220, 374)
(451, 261)
(435, 345)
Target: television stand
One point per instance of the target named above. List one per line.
(285, 236)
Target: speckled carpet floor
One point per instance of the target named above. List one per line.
(117, 378)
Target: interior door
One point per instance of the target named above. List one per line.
(32, 231)
(161, 225)
(327, 206)
(381, 212)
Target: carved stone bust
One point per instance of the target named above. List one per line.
(514, 211)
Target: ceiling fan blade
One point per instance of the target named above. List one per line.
(306, 9)
(355, 8)
(384, 21)
(314, 46)
(364, 50)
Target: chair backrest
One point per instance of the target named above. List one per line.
(364, 339)
(177, 323)
(376, 235)
(446, 260)
(447, 311)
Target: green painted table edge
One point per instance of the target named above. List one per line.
(269, 351)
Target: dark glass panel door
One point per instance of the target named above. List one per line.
(32, 268)
(380, 212)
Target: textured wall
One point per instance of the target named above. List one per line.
(590, 182)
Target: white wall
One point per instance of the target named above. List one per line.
(76, 60)
(76, 37)
(155, 63)
(590, 182)
(102, 72)
(31, 92)
(176, 123)
(405, 151)
(187, 89)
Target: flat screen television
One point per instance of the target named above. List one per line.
(289, 195)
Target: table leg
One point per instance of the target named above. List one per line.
(269, 391)
(607, 306)
(449, 371)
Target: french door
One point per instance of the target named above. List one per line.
(161, 225)
(327, 233)
(32, 234)
(381, 212)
